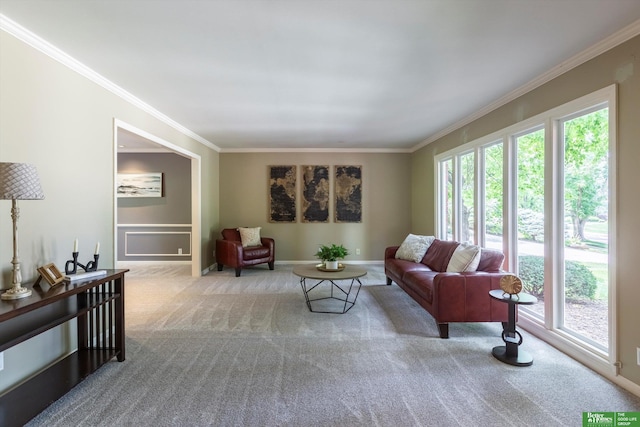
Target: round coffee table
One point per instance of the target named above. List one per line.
(344, 294)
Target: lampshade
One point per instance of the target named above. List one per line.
(19, 181)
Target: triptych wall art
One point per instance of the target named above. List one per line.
(348, 194)
(315, 193)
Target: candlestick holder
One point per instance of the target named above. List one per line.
(93, 265)
(71, 267)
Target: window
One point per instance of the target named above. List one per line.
(530, 215)
(585, 189)
(446, 199)
(492, 205)
(541, 190)
(457, 198)
(467, 202)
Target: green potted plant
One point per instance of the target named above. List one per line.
(330, 254)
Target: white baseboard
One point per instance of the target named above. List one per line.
(124, 264)
(208, 269)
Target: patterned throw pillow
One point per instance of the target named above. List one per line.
(414, 247)
(250, 236)
(466, 257)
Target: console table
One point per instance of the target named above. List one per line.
(98, 306)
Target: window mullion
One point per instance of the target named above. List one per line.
(554, 209)
(456, 196)
(510, 179)
(479, 197)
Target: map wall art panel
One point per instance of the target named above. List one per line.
(315, 194)
(348, 193)
(282, 194)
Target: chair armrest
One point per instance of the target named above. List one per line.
(229, 252)
(269, 243)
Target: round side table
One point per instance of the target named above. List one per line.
(509, 352)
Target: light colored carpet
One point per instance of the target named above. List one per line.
(227, 351)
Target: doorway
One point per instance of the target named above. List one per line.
(140, 141)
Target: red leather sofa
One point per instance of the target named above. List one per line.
(450, 297)
(229, 251)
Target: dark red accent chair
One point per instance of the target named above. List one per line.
(229, 251)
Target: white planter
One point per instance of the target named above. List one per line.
(331, 265)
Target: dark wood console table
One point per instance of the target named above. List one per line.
(98, 305)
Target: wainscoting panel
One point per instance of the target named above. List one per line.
(149, 242)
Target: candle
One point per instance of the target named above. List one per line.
(97, 248)
(75, 245)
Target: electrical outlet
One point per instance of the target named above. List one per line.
(357, 251)
(1, 361)
(179, 251)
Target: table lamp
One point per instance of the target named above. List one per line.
(18, 181)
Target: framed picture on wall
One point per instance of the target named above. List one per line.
(315, 194)
(147, 184)
(282, 193)
(348, 193)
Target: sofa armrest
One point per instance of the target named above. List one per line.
(475, 305)
(390, 252)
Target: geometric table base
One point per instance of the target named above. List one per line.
(348, 297)
(334, 298)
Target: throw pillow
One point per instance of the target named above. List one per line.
(414, 247)
(466, 257)
(250, 236)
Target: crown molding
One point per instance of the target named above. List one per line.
(50, 50)
(317, 150)
(599, 48)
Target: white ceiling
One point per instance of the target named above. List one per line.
(365, 74)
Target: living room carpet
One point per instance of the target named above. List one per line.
(225, 351)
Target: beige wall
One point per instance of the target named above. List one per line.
(63, 123)
(620, 65)
(386, 203)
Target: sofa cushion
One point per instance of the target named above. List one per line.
(490, 260)
(414, 247)
(438, 255)
(466, 257)
(421, 282)
(399, 267)
(250, 236)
